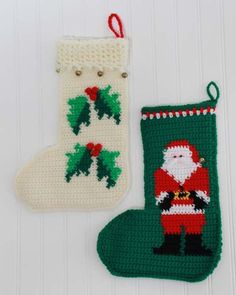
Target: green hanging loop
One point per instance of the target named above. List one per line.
(217, 91)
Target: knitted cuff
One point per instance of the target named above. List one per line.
(99, 53)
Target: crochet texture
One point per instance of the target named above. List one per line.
(88, 168)
(178, 234)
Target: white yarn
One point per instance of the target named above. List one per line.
(41, 184)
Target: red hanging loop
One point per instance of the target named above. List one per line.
(120, 33)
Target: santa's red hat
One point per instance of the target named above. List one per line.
(184, 144)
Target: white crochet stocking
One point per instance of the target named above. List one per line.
(88, 168)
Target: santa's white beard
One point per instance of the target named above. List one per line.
(180, 168)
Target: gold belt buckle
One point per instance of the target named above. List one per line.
(176, 197)
(186, 197)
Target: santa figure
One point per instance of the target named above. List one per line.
(182, 193)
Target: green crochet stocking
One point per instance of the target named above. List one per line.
(178, 234)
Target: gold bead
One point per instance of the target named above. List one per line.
(124, 75)
(78, 73)
(201, 160)
(100, 73)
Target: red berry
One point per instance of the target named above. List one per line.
(92, 92)
(90, 146)
(97, 149)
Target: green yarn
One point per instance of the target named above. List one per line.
(106, 167)
(78, 162)
(105, 104)
(125, 244)
(212, 96)
(108, 104)
(79, 113)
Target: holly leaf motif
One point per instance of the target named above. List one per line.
(79, 113)
(78, 162)
(107, 168)
(108, 104)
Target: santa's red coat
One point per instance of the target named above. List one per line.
(199, 180)
(182, 211)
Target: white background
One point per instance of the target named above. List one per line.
(178, 46)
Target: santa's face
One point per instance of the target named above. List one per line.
(178, 162)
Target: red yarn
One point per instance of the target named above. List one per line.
(90, 146)
(94, 149)
(97, 149)
(193, 223)
(119, 34)
(92, 92)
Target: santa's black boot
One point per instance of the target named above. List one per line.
(170, 246)
(193, 245)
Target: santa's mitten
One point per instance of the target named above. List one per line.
(180, 225)
(198, 201)
(88, 168)
(164, 200)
